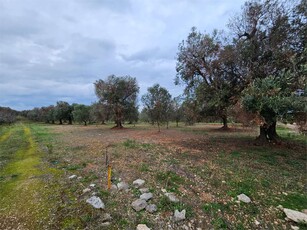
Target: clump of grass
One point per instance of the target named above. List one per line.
(73, 167)
(166, 205)
(144, 167)
(170, 180)
(295, 201)
(214, 207)
(130, 144)
(219, 223)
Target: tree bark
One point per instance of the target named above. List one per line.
(225, 122)
(119, 124)
(272, 134)
(268, 134)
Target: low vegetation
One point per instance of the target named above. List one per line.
(36, 161)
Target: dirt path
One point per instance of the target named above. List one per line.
(22, 195)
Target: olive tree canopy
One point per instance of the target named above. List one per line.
(119, 93)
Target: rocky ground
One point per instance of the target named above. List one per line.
(196, 177)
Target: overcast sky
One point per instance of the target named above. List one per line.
(53, 50)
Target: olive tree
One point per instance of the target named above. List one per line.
(268, 40)
(157, 103)
(81, 113)
(119, 93)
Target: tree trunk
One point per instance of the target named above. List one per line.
(119, 124)
(225, 122)
(272, 134)
(84, 123)
(262, 138)
(118, 117)
(158, 126)
(70, 121)
(268, 134)
(61, 123)
(177, 123)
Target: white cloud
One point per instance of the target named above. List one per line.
(51, 50)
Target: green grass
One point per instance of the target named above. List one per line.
(165, 204)
(170, 180)
(21, 173)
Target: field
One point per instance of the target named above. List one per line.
(205, 167)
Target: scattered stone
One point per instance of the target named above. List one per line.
(163, 190)
(151, 208)
(86, 190)
(139, 204)
(296, 216)
(106, 217)
(113, 188)
(144, 190)
(72, 177)
(304, 211)
(223, 182)
(178, 216)
(172, 197)
(105, 224)
(284, 193)
(122, 186)
(79, 177)
(95, 202)
(242, 197)
(138, 183)
(146, 196)
(142, 227)
(295, 227)
(257, 222)
(92, 185)
(280, 207)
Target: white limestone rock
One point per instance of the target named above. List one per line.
(178, 216)
(171, 197)
(142, 227)
(146, 196)
(296, 216)
(95, 202)
(139, 205)
(242, 197)
(138, 183)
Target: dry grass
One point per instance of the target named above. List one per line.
(206, 167)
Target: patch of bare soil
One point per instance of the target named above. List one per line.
(205, 167)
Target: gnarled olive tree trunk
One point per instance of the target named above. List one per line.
(268, 128)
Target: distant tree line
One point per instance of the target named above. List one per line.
(7, 115)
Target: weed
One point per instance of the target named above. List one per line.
(73, 167)
(246, 186)
(130, 144)
(103, 193)
(295, 201)
(219, 223)
(170, 180)
(235, 154)
(136, 192)
(144, 167)
(166, 205)
(49, 148)
(214, 208)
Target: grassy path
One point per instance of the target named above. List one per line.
(25, 197)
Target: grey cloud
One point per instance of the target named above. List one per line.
(53, 50)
